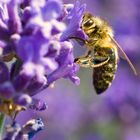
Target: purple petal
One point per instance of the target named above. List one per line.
(65, 71)
(66, 54)
(14, 22)
(72, 74)
(31, 48)
(52, 9)
(35, 85)
(3, 12)
(38, 105)
(4, 73)
(23, 100)
(67, 68)
(7, 90)
(21, 81)
(75, 20)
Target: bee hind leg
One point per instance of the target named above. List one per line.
(91, 62)
(98, 61)
(83, 61)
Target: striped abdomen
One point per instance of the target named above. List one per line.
(104, 75)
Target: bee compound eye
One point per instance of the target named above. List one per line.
(88, 23)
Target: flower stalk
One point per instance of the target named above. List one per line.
(2, 122)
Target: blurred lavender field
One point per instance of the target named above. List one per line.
(77, 113)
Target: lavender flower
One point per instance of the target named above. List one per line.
(32, 36)
(35, 41)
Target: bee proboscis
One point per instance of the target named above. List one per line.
(102, 52)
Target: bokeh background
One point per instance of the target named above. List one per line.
(76, 112)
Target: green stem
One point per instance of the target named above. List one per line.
(2, 121)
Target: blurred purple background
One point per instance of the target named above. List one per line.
(77, 113)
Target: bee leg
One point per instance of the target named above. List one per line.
(98, 61)
(83, 61)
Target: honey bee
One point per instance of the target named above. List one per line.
(102, 52)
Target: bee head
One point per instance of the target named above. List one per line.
(88, 22)
(91, 23)
(95, 25)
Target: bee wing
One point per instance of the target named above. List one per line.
(123, 54)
